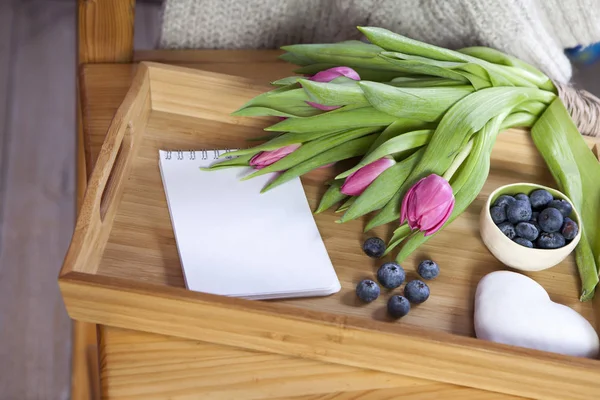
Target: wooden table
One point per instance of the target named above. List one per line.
(120, 364)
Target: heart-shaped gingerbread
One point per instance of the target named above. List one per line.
(514, 309)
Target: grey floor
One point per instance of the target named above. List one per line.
(37, 191)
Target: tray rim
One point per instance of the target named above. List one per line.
(87, 298)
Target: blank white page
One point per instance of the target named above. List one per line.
(234, 241)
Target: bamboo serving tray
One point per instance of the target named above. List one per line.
(122, 268)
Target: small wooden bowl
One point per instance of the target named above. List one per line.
(513, 254)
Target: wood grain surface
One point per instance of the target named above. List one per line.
(106, 30)
(138, 365)
(104, 34)
(185, 92)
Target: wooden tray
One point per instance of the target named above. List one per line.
(122, 268)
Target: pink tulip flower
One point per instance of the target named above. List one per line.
(327, 76)
(358, 181)
(330, 74)
(266, 158)
(428, 204)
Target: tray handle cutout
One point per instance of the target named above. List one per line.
(116, 172)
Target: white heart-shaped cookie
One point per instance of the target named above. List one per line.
(514, 309)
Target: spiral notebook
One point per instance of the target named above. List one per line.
(234, 241)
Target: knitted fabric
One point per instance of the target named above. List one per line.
(536, 31)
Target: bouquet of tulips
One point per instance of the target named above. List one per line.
(421, 121)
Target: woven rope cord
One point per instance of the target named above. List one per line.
(583, 106)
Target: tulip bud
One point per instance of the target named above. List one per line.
(330, 74)
(266, 158)
(358, 181)
(428, 204)
(327, 76)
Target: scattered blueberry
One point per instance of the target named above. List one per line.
(552, 240)
(504, 201)
(569, 229)
(374, 247)
(416, 291)
(550, 220)
(508, 229)
(519, 211)
(534, 215)
(540, 198)
(563, 206)
(523, 242)
(391, 275)
(428, 269)
(398, 306)
(498, 214)
(527, 231)
(367, 290)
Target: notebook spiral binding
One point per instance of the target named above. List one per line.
(202, 154)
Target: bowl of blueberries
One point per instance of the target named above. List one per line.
(529, 227)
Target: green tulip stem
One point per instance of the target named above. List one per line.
(460, 158)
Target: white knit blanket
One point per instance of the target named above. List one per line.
(536, 31)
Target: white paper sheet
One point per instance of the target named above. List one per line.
(235, 241)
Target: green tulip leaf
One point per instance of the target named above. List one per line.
(399, 127)
(346, 205)
(466, 117)
(422, 82)
(338, 119)
(344, 151)
(312, 148)
(423, 104)
(295, 58)
(468, 181)
(332, 196)
(334, 94)
(291, 102)
(577, 173)
(383, 188)
(285, 139)
(401, 143)
(401, 233)
(240, 161)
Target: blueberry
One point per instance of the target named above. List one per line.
(428, 269)
(391, 275)
(537, 226)
(563, 206)
(498, 214)
(527, 231)
(374, 247)
(519, 211)
(523, 242)
(398, 306)
(535, 215)
(550, 220)
(540, 198)
(416, 291)
(522, 196)
(504, 201)
(570, 229)
(508, 229)
(367, 290)
(552, 240)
